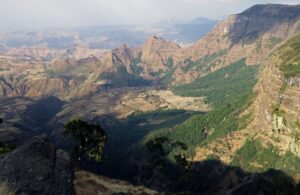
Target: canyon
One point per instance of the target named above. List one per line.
(223, 111)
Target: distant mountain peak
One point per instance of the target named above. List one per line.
(273, 10)
(158, 42)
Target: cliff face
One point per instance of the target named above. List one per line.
(277, 106)
(274, 114)
(155, 53)
(252, 34)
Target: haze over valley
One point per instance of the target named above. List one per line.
(187, 105)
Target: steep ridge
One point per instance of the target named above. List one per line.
(277, 105)
(274, 127)
(253, 34)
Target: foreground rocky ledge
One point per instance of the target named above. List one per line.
(38, 167)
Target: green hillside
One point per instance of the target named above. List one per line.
(289, 54)
(229, 91)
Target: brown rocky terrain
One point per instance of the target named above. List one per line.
(155, 53)
(97, 84)
(124, 102)
(253, 34)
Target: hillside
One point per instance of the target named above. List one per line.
(273, 131)
(220, 116)
(252, 34)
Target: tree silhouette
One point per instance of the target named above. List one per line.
(90, 139)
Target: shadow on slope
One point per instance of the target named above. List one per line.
(209, 177)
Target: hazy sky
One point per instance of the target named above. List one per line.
(48, 13)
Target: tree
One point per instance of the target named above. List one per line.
(161, 147)
(90, 139)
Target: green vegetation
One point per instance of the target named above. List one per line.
(229, 91)
(204, 128)
(5, 148)
(162, 146)
(170, 62)
(273, 41)
(134, 64)
(127, 138)
(257, 158)
(90, 139)
(168, 77)
(222, 86)
(296, 130)
(203, 63)
(140, 124)
(290, 70)
(289, 55)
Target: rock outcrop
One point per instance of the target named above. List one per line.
(252, 34)
(38, 167)
(155, 53)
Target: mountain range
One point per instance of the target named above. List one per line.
(231, 98)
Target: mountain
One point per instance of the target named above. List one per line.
(155, 53)
(273, 131)
(218, 117)
(252, 34)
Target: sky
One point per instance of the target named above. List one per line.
(70, 13)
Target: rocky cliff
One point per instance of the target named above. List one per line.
(276, 109)
(252, 34)
(274, 128)
(38, 168)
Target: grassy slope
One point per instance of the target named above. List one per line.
(255, 157)
(229, 90)
(289, 54)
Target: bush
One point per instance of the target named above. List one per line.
(90, 139)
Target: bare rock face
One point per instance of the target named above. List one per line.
(38, 168)
(123, 56)
(252, 34)
(155, 53)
